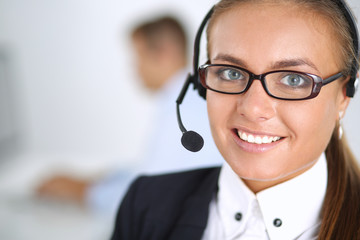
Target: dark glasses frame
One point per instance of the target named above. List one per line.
(318, 82)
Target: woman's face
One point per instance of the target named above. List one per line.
(261, 39)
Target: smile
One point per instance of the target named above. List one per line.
(257, 139)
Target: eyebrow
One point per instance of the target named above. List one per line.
(294, 63)
(287, 63)
(231, 59)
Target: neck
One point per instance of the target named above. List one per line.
(169, 72)
(257, 185)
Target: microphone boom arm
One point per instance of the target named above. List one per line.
(180, 99)
(191, 140)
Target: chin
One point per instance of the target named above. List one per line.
(252, 171)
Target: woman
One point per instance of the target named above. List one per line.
(288, 171)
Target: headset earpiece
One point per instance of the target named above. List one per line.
(201, 90)
(351, 87)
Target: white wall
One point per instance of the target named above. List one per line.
(76, 91)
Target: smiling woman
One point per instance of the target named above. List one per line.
(256, 113)
(279, 77)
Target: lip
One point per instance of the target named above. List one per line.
(254, 147)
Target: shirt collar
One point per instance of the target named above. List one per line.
(296, 203)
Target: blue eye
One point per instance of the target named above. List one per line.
(230, 74)
(296, 81)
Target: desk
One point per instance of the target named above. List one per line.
(26, 217)
(34, 219)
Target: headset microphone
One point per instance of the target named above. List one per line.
(191, 140)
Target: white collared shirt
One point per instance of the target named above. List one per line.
(290, 210)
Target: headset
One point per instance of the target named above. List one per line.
(191, 140)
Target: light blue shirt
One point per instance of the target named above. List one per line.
(164, 152)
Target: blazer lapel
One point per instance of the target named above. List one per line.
(194, 215)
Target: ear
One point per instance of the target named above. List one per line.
(343, 100)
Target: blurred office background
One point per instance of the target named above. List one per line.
(69, 95)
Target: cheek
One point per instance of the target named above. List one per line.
(148, 71)
(310, 124)
(213, 108)
(217, 111)
(220, 109)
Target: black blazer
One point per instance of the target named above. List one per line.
(167, 207)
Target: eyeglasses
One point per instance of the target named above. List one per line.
(282, 84)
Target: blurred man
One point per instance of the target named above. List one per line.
(160, 48)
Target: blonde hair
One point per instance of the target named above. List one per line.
(341, 208)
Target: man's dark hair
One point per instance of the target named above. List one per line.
(161, 28)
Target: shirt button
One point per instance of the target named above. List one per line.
(277, 222)
(238, 216)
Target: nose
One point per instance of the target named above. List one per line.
(255, 104)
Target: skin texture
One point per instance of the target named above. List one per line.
(276, 37)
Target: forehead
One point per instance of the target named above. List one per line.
(263, 33)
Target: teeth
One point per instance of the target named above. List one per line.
(243, 136)
(257, 139)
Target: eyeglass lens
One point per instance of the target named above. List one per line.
(281, 84)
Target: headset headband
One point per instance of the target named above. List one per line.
(352, 84)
